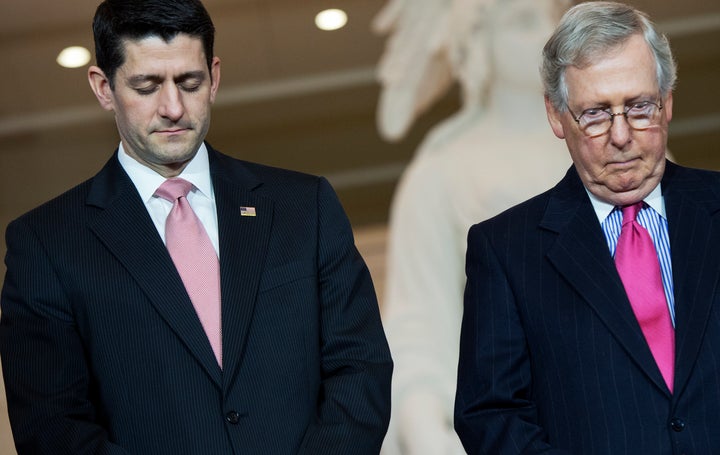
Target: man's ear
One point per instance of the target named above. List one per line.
(668, 106)
(100, 86)
(215, 76)
(554, 118)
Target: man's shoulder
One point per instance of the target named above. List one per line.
(698, 184)
(62, 205)
(279, 175)
(674, 170)
(567, 194)
(532, 208)
(238, 167)
(276, 182)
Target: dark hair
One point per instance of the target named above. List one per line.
(116, 20)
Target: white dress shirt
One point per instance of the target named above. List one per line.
(201, 198)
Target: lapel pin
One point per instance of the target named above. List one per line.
(247, 211)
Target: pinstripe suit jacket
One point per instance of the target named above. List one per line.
(552, 359)
(103, 354)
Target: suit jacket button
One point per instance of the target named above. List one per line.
(677, 424)
(232, 417)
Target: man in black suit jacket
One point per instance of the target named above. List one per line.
(553, 359)
(102, 350)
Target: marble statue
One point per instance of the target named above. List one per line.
(496, 151)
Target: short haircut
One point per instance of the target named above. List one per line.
(591, 30)
(118, 20)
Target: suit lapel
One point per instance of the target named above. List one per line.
(243, 247)
(126, 229)
(580, 254)
(694, 227)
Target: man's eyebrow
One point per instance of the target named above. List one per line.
(156, 79)
(199, 75)
(141, 78)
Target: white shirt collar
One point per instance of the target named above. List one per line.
(147, 180)
(603, 209)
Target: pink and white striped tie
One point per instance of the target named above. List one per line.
(195, 259)
(639, 269)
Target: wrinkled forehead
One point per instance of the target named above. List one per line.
(624, 72)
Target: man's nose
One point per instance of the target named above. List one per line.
(620, 130)
(171, 103)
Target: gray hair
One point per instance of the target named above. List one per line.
(589, 31)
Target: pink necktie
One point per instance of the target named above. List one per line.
(637, 263)
(195, 259)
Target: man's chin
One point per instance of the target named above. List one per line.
(176, 149)
(623, 194)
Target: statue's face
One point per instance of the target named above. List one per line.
(505, 42)
(519, 32)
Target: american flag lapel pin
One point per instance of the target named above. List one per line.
(247, 211)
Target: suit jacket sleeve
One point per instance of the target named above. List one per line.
(354, 408)
(46, 375)
(494, 412)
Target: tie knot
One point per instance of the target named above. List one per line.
(630, 212)
(174, 188)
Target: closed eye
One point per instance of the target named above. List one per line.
(643, 105)
(146, 90)
(190, 86)
(593, 113)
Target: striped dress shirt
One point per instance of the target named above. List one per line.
(657, 227)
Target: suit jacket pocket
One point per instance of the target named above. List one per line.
(284, 274)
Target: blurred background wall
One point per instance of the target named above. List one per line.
(291, 95)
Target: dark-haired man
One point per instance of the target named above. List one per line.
(180, 301)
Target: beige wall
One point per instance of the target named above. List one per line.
(6, 441)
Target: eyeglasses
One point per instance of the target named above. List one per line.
(639, 116)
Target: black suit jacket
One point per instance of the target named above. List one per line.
(103, 353)
(552, 359)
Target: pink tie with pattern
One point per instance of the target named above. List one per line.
(639, 269)
(195, 259)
